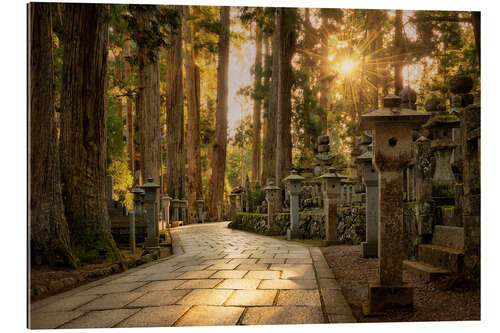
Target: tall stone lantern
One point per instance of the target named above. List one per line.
(153, 237)
(392, 152)
(137, 192)
(199, 204)
(293, 181)
(330, 183)
(369, 248)
(273, 198)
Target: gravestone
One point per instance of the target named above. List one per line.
(150, 188)
(392, 148)
(369, 248)
(199, 204)
(331, 192)
(131, 216)
(293, 182)
(273, 198)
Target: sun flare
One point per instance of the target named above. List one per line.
(347, 66)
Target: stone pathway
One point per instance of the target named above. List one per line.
(219, 276)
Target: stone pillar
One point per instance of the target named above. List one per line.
(176, 209)
(131, 218)
(369, 248)
(183, 214)
(392, 147)
(273, 198)
(293, 181)
(166, 210)
(331, 192)
(109, 188)
(153, 237)
(219, 211)
(199, 204)
(232, 209)
(138, 198)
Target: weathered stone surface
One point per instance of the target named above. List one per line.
(252, 298)
(100, 319)
(211, 316)
(239, 284)
(158, 298)
(281, 315)
(112, 301)
(43, 320)
(160, 316)
(205, 297)
(67, 304)
(299, 297)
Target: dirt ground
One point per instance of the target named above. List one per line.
(439, 300)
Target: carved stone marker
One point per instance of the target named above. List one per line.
(392, 140)
(131, 217)
(273, 198)
(369, 249)
(293, 181)
(153, 238)
(331, 193)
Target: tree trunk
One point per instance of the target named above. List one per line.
(194, 190)
(130, 115)
(476, 25)
(49, 233)
(269, 165)
(398, 52)
(286, 19)
(323, 84)
(256, 158)
(220, 143)
(83, 131)
(149, 108)
(176, 167)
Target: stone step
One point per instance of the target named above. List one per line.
(441, 256)
(424, 271)
(452, 237)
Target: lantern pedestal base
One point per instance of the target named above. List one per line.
(381, 298)
(152, 242)
(369, 250)
(331, 242)
(293, 234)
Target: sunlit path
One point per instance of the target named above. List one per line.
(223, 277)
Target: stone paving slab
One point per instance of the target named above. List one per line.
(279, 315)
(155, 316)
(97, 319)
(211, 316)
(218, 276)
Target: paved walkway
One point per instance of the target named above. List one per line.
(224, 277)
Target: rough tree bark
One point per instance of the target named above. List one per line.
(324, 83)
(269, 165)
(175, 164)
(193, 186)
(49, 233)
(130, 115)
(220, 142)
(256, 158)
(398, 52)
(476, 25)
(83, 131)
(286, 20)
(149, 104)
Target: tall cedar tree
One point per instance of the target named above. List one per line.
(148, 102)
(286, 30)
(269, 165)
(130, 114)
(176, 153)
(257, 110)
(83, 131)
(193, 188)
(220, 143)
(398, 52)
(50, 238)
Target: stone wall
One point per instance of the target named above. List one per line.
(350, 227)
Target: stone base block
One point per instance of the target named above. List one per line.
(331, 242)
(369, 250)
(293, 234)
(152, 242)
(381, 298)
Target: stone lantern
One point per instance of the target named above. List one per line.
(442, 145)
(137, 192)
(199, 204)
(369, 248)
(331, 192)
(232, 212)
(176, 210)
(166, 210)
(392, 152)
(150, 188)
(293, 182)
(273, 198)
